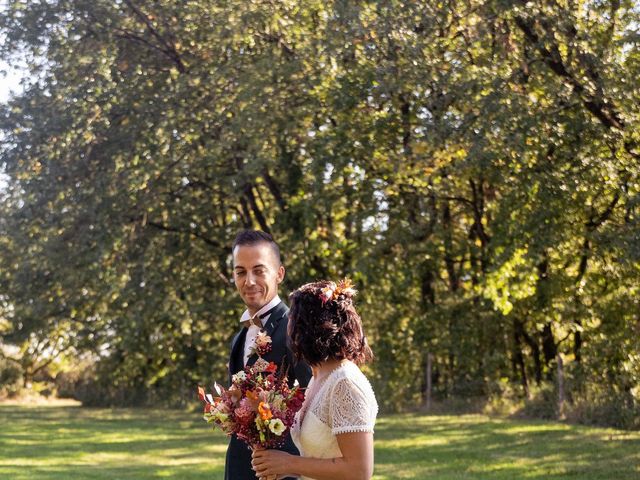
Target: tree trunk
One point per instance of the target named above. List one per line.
(549, 347)
(519, 359)
(535, 351)
(428, 381)
(577, 343)
(561, 396)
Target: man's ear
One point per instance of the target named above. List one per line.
(281, 273)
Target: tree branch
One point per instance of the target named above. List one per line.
(597, 106)
(193, 233)
(248, 192)
(169, 49)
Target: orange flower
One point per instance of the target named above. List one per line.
(252, 398)
(345, 287)
(265, 411)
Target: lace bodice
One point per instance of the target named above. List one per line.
(343, 403)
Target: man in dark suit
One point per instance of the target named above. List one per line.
(257, 272)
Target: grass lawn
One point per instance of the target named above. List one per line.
(54, 442)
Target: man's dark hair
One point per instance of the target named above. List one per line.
(254, 237)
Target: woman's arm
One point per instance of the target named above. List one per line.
(356, 462)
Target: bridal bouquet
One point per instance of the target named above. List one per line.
(259, 407)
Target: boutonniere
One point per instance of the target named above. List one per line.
(262, 345)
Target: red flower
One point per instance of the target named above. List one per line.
(272, 368)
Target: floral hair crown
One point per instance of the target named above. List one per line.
(333, 290)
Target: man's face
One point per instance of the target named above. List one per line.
(257, 273)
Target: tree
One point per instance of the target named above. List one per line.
(473, 165)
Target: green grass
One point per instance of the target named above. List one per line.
(72, 442)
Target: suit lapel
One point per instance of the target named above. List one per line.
(274, 319)
(236, 347)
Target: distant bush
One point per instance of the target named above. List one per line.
(543, 403)
(85, 386)
(10, 377)
(96, 385)
(616, 410)
(67, 383)
(602, 408)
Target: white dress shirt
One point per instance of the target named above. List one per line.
(253, 330)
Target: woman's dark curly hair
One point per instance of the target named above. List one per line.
(322, 329)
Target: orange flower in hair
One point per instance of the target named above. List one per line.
(333, 291)
(345, 287)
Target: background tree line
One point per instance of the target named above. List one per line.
(471, 164)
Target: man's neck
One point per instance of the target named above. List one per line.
(253, 311)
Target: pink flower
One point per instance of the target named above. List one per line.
(262, 344)
(262, 340)
(244, 413)
(263, 395)
(261, 365)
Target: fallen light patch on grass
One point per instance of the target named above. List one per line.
(62, 442)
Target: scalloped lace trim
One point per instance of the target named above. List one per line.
(353, 429)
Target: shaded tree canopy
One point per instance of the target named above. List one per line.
(472, 165)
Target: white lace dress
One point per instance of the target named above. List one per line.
(344, 402)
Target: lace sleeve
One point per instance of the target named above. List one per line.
(351, 409)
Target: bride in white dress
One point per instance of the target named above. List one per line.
(334, 427)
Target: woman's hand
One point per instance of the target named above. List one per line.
(268, 463)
